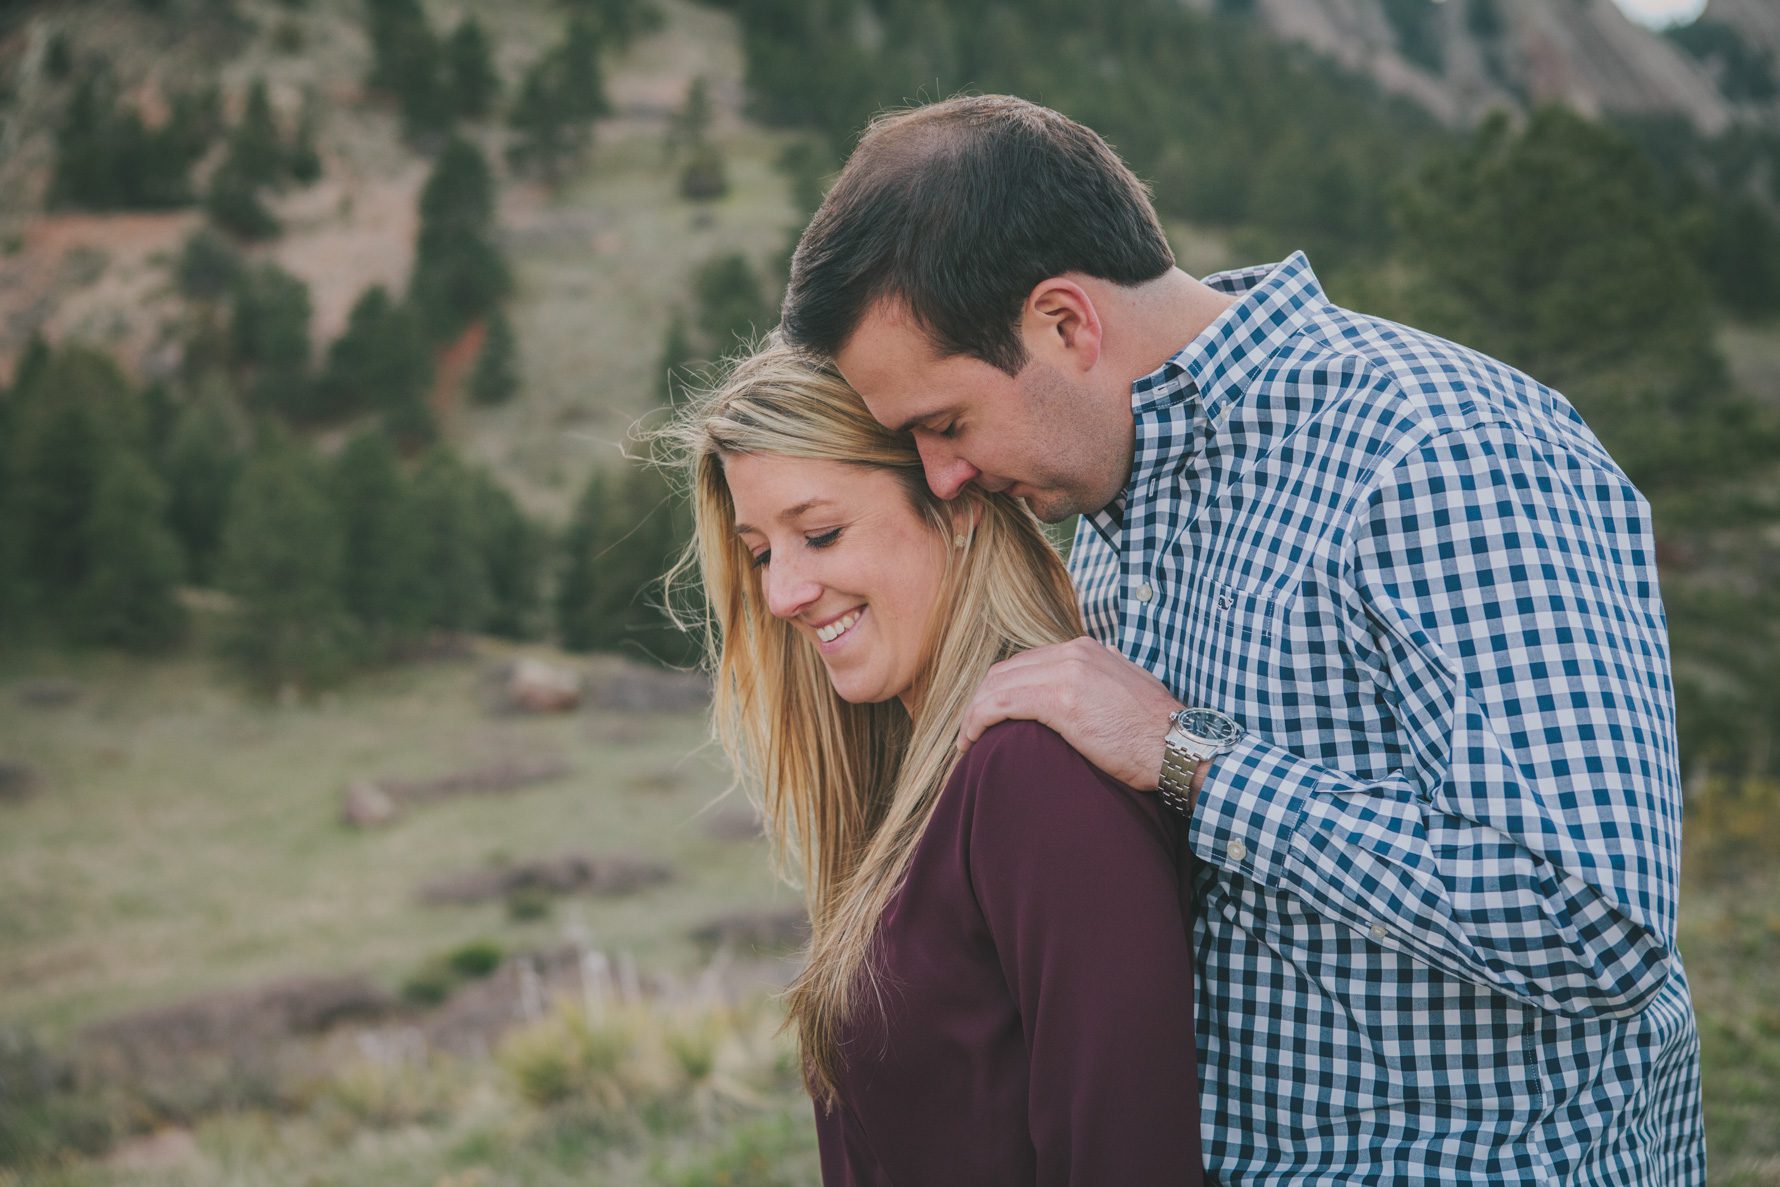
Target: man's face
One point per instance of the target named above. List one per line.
(1040, 435)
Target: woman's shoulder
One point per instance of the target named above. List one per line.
(1026, 772)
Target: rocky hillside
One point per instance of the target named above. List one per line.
(1460, 58)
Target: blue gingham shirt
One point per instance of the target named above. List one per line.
(1437, 932)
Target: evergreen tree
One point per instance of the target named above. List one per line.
(381, 360)
(407, 63)
(107, 158)
(582, 79)
(470, 63)
(459, 595)
(269, 336)
(1547, 248)
(732, 307)
(703, 177)
(459, 274)
(514, 551)
(303, 161)
(72, 416)
(496, 377)
(128, 597)
(282, 560)
(202, 462)
(256, 148)
(233, 203)
(385, 582)
(208, 268)
(625, 530)
(546, 135)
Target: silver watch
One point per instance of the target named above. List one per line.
(1194, 735)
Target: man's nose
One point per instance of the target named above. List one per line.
(789, 587)
(947, 473)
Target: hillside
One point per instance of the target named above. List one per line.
(1461, 59)
(600, 261)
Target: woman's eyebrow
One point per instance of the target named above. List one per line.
(785, 516)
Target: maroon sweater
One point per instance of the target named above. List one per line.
(1038, 1022)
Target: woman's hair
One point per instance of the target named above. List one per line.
(846, 789)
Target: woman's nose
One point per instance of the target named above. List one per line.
(789, 587)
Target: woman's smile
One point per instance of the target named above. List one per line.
(842, 553)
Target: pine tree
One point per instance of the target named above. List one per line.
(622, 537)
(732, 307)
(470, 63)
(445, 522)
(208, 268)
(380, 360)
(72, 415)
(256, 148)
(496, 377)
(233, 203)
(282, 560)
(385, 581)
(269, 338)
(459, 274)
(582, 79)
(128, 596)
(546, 134)
(203, 461)
(513, 555)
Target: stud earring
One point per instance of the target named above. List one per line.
(958, 540)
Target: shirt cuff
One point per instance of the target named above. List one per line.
(1252, 801)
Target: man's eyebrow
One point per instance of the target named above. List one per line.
(785, 516)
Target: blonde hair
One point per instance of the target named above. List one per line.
(846, 790)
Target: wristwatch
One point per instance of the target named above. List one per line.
(1194, 735)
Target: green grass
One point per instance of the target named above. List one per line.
(186, 840)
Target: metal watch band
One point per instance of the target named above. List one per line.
(1176, 784)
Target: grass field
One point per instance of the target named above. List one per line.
(183, 841)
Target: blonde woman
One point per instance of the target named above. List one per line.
(999, 983)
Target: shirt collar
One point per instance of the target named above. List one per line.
(1173, 405)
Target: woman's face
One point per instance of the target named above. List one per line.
(845, 558)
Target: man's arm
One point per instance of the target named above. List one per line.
(1506, 601)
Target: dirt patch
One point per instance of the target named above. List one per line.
(734, 822)
(573, 873)
(757, 931)
(18, 782)
(634, 688)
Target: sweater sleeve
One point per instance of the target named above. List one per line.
(1078, 882)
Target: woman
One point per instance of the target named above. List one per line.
(998, 987)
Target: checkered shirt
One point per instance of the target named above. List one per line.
(1438, 894)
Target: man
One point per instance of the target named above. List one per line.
(1378, 613)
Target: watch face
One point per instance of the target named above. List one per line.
(1219, 729)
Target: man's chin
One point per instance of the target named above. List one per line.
(1050, 506)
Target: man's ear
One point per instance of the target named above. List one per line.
(1059, 324)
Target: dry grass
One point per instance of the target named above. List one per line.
(182, 841)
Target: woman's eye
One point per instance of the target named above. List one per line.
(761, 557)
(825, 539)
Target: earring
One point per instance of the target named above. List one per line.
(958, 540)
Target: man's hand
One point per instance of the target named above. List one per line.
(1105, 706)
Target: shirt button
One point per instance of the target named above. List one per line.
(1145, 592)
(1237, 850)
(1379, 931)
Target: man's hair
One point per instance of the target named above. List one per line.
(955, 211)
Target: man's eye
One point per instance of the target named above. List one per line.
(825, 539)
(947, 430)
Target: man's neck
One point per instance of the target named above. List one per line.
(1155, 319)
